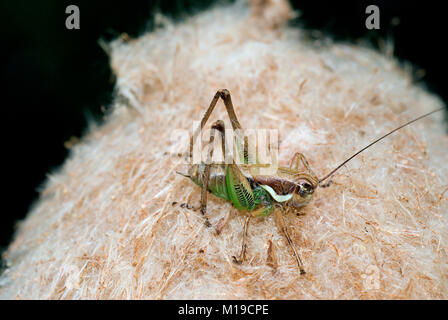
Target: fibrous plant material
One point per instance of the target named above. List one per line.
(113, 222)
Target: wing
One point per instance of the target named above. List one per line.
(239, 189)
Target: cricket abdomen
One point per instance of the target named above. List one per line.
(261, 203)
(217, 182)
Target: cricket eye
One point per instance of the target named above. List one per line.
(305, 188)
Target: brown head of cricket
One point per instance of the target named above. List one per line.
(290, 187)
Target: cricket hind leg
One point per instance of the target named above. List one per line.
(206, 173)
(224, 94)
(242, 255)
(217, 126)
(282, 226)
(220, 127)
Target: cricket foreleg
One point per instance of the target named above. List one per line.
(282, 226)
(297, 159)
(242, 255)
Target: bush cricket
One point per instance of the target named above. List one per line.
(258, 195)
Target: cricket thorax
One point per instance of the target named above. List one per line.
(281, 186)
(299, 187)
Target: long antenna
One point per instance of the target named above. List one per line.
(377, 140)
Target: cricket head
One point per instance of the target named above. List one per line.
(303, 193)
(295, 185)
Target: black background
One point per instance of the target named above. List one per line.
(54, 81)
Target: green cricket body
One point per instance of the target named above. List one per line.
(256, 194)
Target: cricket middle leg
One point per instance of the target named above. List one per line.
(242, 255)
(282, 226)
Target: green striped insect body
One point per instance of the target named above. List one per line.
(241, 190)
